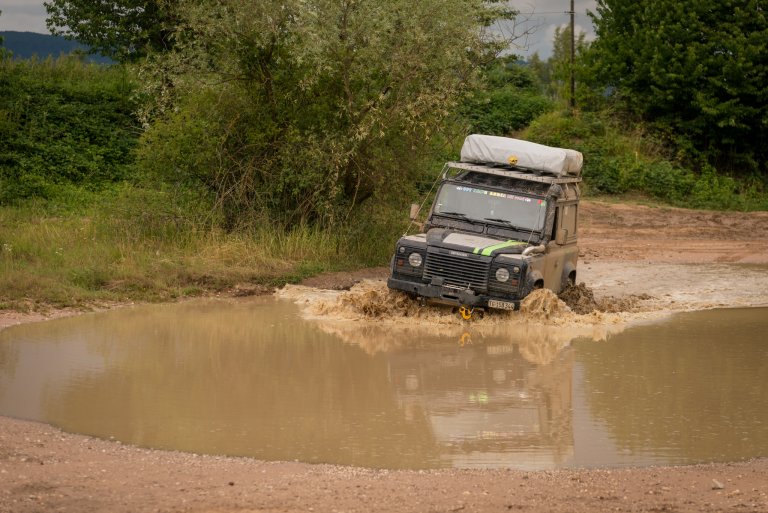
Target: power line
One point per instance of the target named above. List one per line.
(546, 12)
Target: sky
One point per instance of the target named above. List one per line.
(23, 15)
(543, 17)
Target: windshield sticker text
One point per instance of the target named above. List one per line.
(499, 194)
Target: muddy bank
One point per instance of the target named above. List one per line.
(44, 469)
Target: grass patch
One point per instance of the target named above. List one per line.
(135, 244)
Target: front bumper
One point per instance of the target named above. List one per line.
(451, 295)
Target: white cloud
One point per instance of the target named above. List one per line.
(23, 16)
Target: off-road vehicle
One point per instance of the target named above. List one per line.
(503, 223)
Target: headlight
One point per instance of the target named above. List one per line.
(516, 270)
(414, 259)
(502, 274)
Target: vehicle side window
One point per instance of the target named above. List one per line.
(556, 224)
(569, 219)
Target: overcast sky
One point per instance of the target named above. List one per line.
(543, 17)
(23, 15)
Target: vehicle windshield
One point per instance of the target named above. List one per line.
(475, 203)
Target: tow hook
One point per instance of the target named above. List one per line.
(466, 312)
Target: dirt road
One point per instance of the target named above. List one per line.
(680, 259)
(671, 235)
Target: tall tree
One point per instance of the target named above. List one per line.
(303, 108)
(697, 69)
(543, 72)
(125, 30)
(560, 61)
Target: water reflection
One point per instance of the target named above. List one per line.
(492, 396)
(487, 405)
(251, 378)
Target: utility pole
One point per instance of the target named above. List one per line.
(572, 101)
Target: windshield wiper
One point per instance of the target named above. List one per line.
(507, 223)
(460, 214)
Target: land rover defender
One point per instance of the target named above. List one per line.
(503, 223)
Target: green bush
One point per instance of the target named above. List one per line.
(503, 111)
(63, 122)
(618, 160)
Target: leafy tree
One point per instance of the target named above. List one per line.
(125, 30)
(543, 72)
(299, 110)
(554, 74)
(560, 62)
(696, 69)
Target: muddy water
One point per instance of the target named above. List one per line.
(253, 378)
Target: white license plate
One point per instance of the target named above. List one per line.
(502, 305)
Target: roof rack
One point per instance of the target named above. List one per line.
(513, 172)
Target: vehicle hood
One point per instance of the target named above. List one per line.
(472, 243)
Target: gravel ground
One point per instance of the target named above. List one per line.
(44, 469)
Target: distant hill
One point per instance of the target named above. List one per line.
(25, 45)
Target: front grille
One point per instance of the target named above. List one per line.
(458, 271)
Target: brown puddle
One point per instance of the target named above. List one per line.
(255, 378)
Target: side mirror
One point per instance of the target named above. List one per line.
(414, 211)
(561, 237)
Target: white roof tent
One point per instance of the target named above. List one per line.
(484, 153)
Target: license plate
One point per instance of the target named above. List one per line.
(502, 305)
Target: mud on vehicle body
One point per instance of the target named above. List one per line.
(492, 236)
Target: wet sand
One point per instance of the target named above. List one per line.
(682, 260)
